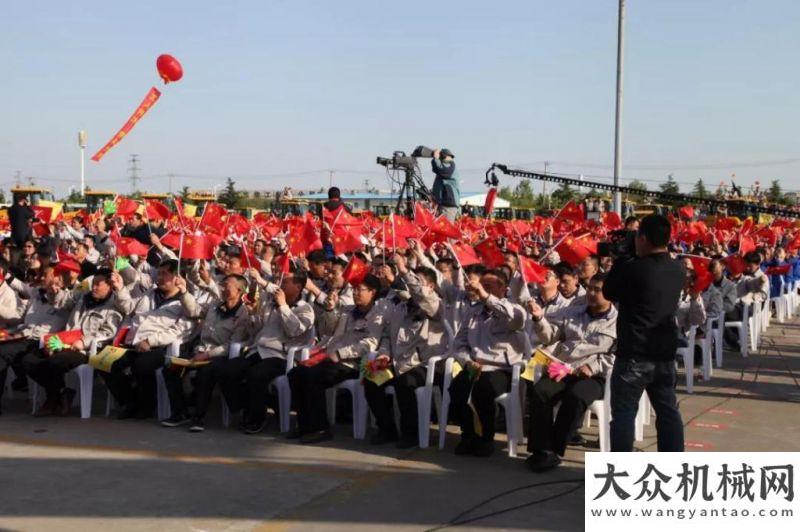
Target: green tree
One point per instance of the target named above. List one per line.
(523, 194)
(74, 196)
(506, 193)
(2, 196)
(699, 189)
(775, 194)
(638, 185)
(184, 193)
(670, 187)
(563, 194)
(230, 196)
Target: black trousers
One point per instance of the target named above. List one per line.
(486, 388)
(405, 384)
(257, 377)
(132, 380)
(48, 371)
(13, 354)
(308, 392)
(231, 373)
(575, 395)
(205, 378)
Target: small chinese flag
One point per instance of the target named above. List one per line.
(532, 271)
(492, 256)
(465, 254)
(126, 206)
(572, 251)
(356, 271)
(703, 275)
(746, 245)
(422, 216)
(127, 246)
(196, 247)
(156, 210)
(734, 263)
(572, 211)
(445, 227)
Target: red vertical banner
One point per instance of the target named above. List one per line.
(148, 102)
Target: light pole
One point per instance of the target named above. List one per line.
(618, 114)
(82, 145)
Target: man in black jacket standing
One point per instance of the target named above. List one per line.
(20, 216)
(646, 290)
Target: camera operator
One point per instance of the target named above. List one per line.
(646, 290)
(445, 186)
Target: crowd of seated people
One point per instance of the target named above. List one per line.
(408, 306)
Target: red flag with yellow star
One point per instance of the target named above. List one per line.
(356, 271)
(490, 252)
(196, 247)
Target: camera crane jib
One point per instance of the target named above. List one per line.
(733, 207)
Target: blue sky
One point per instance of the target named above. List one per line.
(277, 92)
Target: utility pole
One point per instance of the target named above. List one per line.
(82, 146)
(330, 177)
(133, 170)
(171, 177)
(18, 177)
(545, 198)
(618, 114)
(366, 185)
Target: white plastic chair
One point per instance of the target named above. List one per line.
(360, 407)
(602, 411)
(717, 332)
(688, 359)
(445, 406)
(511, 402)
(780, 301)
(163, 410)
(746, 329)
(706, 343)
(282, 388)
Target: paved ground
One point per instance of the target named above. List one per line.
(72, 474)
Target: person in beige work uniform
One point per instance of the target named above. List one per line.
(490, 340)
(413, 332)
(347, 334)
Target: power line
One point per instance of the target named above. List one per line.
(133, 170)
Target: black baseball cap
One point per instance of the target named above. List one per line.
(446, 153)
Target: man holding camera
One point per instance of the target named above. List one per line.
(646, 289)
(446, 193)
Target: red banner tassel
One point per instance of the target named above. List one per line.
(148, 102)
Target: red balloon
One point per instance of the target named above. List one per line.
(169, 68)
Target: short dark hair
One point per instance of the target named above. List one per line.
(599, 277)
(499, 273)
(372, 282)
(171, 265)
(427, 273)
(752, 257)
(565, 268)
(656, 229)
(334, 193)
(446, 260)
(103, 274)
(299, 277)
(475, 269)
(318, 256)
(630, 219)
(336, 261)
